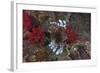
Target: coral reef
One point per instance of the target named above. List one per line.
(56, 36)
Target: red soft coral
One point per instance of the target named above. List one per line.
(72, 36)
(37, 35)
(26, 21)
